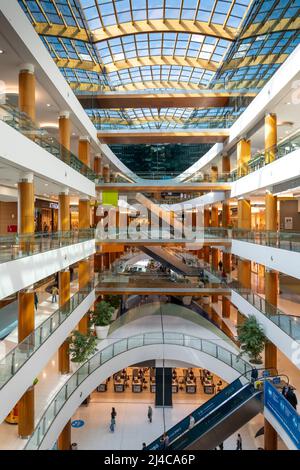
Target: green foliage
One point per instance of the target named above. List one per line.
(103, 313)
(252, 338)
(35, 382)
(82, 346)
(114, 300)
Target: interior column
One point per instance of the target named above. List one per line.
(214, 174)
(84, 150)
(270, 137)
(64, 439)
(226, 166)
(27, 90)
(206, 249)
(64, 212)
(243, 156)
(214, 251)
(244, 266)
(64, 125)
(271, 296)
(106, 173)
(84, 265)
(64, 297)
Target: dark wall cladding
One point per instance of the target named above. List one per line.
(170, 158)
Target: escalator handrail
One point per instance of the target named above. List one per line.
(220, 404)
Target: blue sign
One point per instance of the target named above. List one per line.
(276, 380)
(266, 373)
(77, 423)
(286, 416)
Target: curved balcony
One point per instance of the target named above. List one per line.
(22, 364)
(115, 356)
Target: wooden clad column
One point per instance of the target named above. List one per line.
(83, 280)
(105, 261)
(270, 137)
(84, 214)
(98, 165)
(214, 174)
(244, 266)
(243, 156)
(214, 251)
(64, 297)
(226, 166)
(106, 173)
(84, 150)
(225, 301)
(27, 90)
(64, 439)
(271, 296)
(64, 125)
(26, 414)
(26, 205)
(206, 249)
(64, 212)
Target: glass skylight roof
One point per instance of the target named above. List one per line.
(104, 13)
(162, 44)
(101, 45)
(161, 73)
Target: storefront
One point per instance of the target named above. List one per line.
(46, 216)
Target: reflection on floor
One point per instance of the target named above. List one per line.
(133, 428)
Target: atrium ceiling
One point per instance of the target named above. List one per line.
(166, 45)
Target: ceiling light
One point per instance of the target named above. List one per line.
(1, 51)
(46, 184)
(48, 105)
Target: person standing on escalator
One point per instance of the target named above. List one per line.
(239, 442)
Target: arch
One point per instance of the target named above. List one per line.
(121, 354)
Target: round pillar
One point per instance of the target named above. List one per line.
(271, 212)
(214, 174)
(26, 314)
(64, 439)
(84, 214)
(64, 125)
(84, 150)
(26, 414)
(26, 207)
(243, 156)
(244, 214)
(106, 173)
(270, 137)
(98, 165)
(64, 212)
(27, 90)
(226, 166)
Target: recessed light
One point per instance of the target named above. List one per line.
(48, 105)
(1, 51)
(288, 103)
(46, 184)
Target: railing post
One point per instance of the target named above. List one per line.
(55, 407)
(44, 424)
(89, 368)
(51, 325)
(13, 363)
(66, 392)
(41, 334)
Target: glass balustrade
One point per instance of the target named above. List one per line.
(117, 348)
(22, 123)
(18, 246)
(23, 351)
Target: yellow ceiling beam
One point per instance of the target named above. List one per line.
(176, 26)
(260, 60)
(61, 30)
(271, 26)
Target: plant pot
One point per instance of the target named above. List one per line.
(102, 331)
(254, 360)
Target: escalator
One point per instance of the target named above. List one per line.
(217, 419)
(169, 260)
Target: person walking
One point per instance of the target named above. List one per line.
(54, 292)
(285, 389)
(192, 422)
(221, 446)
(239, 442)
(150, 413)
(36, 301)
(113, 415)
(166, 440)
(144, 446)
(220, 265)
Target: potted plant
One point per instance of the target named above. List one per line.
(101, 318)
(82, 346)
(252, 339)
(114, 300)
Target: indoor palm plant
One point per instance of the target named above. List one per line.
(101, 317)
(252, 339)
(82, 346)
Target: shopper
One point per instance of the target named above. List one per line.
(220, 265)
(239, 442)
(221, 446)
(166, 440)
(71, 273)
(54, 292)
(150, 413)
(254, 375)
(36, 301)
(192, 422)
(113, 415)
(144, 446)
(291, 397)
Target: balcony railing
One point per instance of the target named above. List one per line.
(22, 352)
(22, 123)
(19, 246)
(117, 348)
